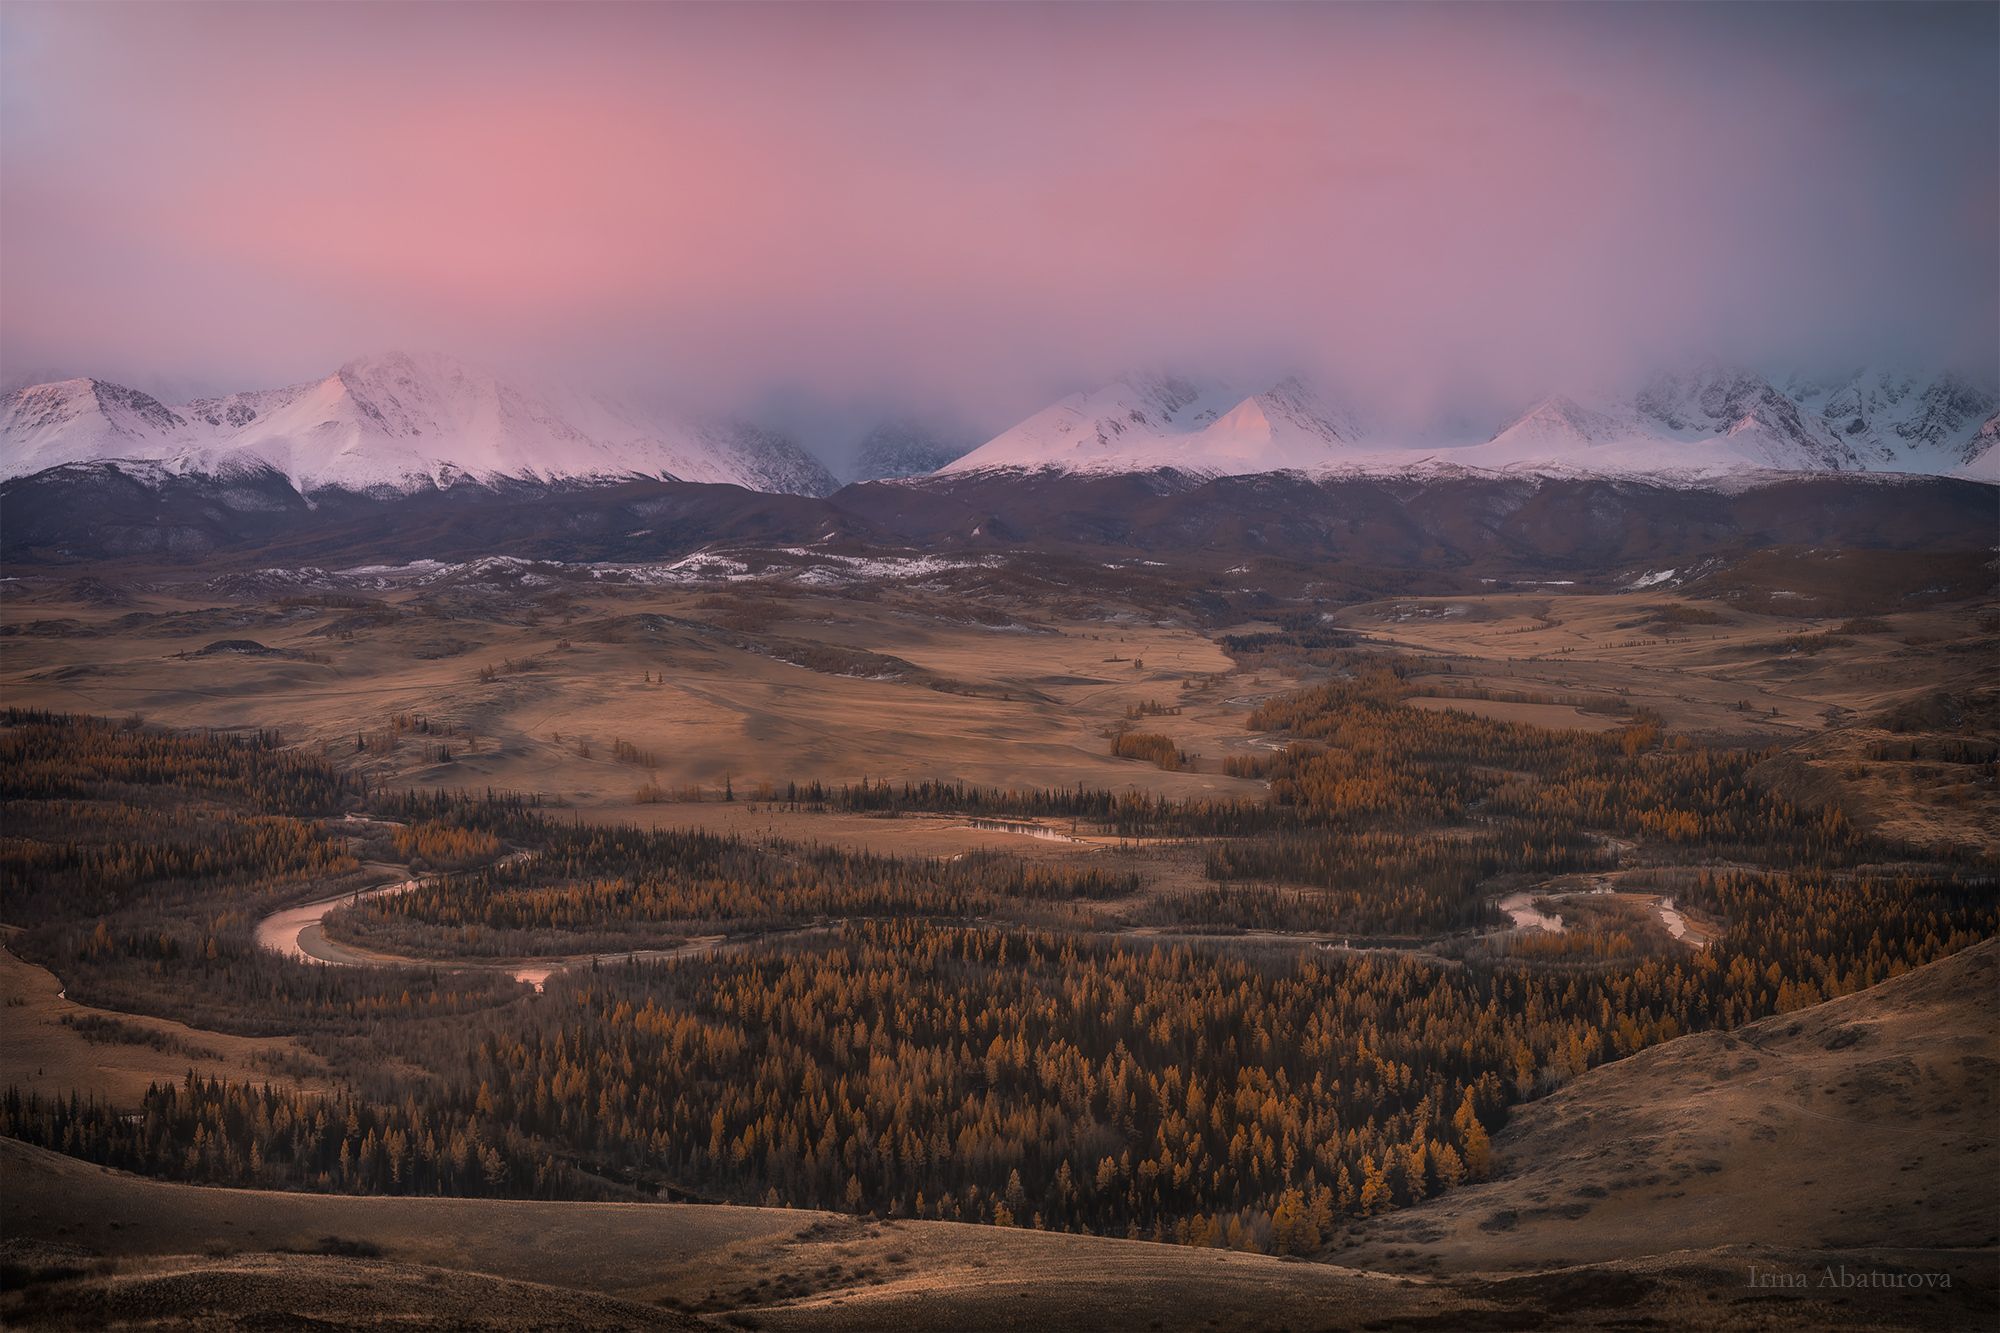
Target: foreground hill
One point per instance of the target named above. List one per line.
(88, 1246)
(1643, 1194)
(1826, 1130)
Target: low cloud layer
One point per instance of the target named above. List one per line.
(975, 206)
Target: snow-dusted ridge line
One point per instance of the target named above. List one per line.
(394, 423)
(1699, 426)
(402, 423)
(1425, 466)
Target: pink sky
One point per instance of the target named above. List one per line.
(983, 201)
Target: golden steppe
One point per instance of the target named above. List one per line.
(696, 688)
(1707, 1155)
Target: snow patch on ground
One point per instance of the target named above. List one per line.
(790, 565)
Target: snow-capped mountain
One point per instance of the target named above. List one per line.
(1982, 452)
(1706, 422)
(907, 447)
(1143, 422)
(1557, 425)
(401, 422)
(1718, 419)
(1288, 427)
(1892, 418)
(77, 421)
(1756, 420)
(396, 422)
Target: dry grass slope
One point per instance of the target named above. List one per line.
(271, 1291)
(1863, 1122)
(45, 1048)
(1647, 1191)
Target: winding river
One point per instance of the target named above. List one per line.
(1023, 827)
(1522, 911)
(300, 933)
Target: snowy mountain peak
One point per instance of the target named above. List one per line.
(1764, 426)
(1716, 418)
(397, 362)
(66, 400)
(1900, 420)
(1161, 399)
(1979, 456)
(1247, 417)
(396, 421)
(1132, 424)
(1709, 397)
(1560, 420)
(1708, 420)
(1145, 422)
(1290, 426)
(77, 420)
(410, 420)
(1299, 404)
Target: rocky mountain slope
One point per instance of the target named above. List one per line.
(908, 447)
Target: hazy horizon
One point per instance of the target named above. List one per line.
(822, 214)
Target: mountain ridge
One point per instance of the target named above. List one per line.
(1707, 422)
(401, 421)
(395, 422)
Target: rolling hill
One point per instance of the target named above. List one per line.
(1646, 1192)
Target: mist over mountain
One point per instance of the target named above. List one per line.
(399, 421)
(909, 447)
